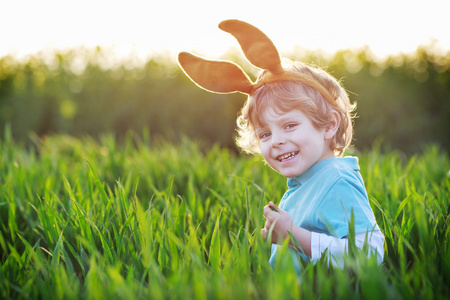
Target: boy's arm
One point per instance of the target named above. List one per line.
(282, 224)
(336, 247)
(314, 244)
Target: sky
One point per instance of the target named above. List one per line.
(142, 28)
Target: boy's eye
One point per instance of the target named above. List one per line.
(289, 126)
(264, 135)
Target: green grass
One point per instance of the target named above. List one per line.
(82, 219)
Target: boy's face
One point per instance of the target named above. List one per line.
(290, 143)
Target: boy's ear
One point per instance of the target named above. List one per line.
(334, 122)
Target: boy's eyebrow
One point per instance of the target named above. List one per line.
(259, 124)
(260, 128)
(287, 119)
(284, 119)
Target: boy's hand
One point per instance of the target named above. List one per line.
(280, 220)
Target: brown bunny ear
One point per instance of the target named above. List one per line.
(257, 47)
(215, 76)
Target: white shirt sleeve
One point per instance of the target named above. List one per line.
(337, 247)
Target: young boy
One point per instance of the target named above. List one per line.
(302, 136)
(299, 119)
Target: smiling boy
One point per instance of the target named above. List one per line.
(302, 136)
(299, 119)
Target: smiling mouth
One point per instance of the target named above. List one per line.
(287, 156)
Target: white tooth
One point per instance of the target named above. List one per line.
(286, 156)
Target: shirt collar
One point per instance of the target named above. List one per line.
(349, 161)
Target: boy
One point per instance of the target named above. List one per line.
(299, 119)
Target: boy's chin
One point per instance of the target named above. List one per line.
(288, 173)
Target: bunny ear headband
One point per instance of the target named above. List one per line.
(227, 77)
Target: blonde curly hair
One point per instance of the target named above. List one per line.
(286, 95)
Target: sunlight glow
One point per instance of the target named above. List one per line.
(142, 28)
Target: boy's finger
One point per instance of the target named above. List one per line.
(273, 206)
(264, 232)
(267, 225)
(268, 209)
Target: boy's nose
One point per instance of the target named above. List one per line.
(278, 140)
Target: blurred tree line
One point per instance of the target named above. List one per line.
(402, 101)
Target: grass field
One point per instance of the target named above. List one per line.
(143, 219)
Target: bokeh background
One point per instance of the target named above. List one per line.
(95, 67)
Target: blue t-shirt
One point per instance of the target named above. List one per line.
(322, 199)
